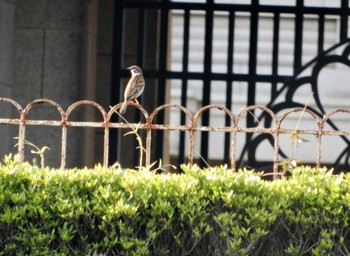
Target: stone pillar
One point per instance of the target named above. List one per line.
(103, 65)
(7, 32)
(89, 79)
(54, 59)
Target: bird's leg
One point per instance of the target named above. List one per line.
(136, 101)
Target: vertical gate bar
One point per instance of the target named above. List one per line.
(163, 58)
(344, 17)
(118, 34)
(140, 61)
(63, 146)
(185, 50)
(141, 37)
(275, 51)
(253, 51)
(320, 40)
(298, 39)
(227, 147)
(208, 47)
(275, 55)
(115, 88)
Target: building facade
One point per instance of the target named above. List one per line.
(232, 53)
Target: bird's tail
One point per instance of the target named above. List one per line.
(122, 110)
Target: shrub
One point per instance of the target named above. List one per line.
(201, 212)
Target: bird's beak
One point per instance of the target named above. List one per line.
(128, 68)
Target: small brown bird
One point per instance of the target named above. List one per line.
(134, 88)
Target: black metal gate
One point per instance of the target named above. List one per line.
(279, 83)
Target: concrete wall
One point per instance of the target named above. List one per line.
(7, 39)
(104, 42)
(7, 31)
(48, 50)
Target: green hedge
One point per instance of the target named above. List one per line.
(202, 212)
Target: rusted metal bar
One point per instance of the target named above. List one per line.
(21, 138)
(233, 149)
(63, 147)
(9, 121)
(105, 146)
(318, 145)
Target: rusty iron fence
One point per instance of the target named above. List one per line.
(275, 130)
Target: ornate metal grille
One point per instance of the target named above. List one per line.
(282, 86)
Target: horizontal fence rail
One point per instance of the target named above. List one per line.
(234, 129)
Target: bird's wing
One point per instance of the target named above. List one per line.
(134, 85)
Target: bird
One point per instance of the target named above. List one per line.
(134, 88)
